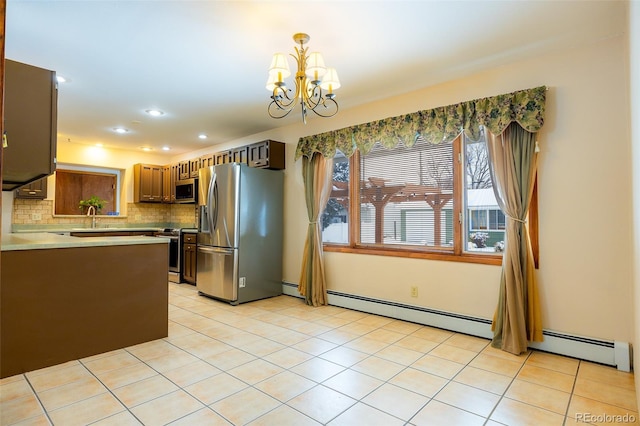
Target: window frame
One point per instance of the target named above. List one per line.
(458, 254)
(92, 170)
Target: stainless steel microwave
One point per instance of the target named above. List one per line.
(187, 191)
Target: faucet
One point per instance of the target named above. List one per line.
(93, 217)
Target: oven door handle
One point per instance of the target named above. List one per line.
(171, 237)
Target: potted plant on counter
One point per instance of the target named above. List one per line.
(93, 201)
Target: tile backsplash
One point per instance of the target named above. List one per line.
(38, 214)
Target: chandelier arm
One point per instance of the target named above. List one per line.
(280, 94)
(314, 93)
(275, 111)
(318, 99)
(333, 104)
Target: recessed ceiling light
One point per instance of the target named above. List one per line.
(166, 148)
(120, 130)
(202, 136)
(154, 112)
(146, 148)
(61, 79)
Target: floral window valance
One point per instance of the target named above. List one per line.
(526, 107)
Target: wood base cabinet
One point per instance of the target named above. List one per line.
(63, 304)
(189, 256)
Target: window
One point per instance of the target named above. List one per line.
(74, 183)
(485, 221)
(432, 201)
(497, 219)
(477, 219)
(335, 218)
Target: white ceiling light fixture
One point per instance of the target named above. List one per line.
(166, 148)
(146, 148)
(60, 79)
(312, 93)
(121, 130)
(202, 136)
(154, 112)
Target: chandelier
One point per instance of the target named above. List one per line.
(312, 93)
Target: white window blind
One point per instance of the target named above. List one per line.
(406, 195)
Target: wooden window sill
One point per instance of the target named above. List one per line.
(415, 254)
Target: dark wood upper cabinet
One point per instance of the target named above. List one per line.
(239, 155)
(166, 184)
(207, 160)
(30, 123)
(267, 154)
(147, 183)
(184, 170)
(194, 166)
(223, 157)
(175, 176)
(35, 190)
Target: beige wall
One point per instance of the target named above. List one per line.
(634, 55)
(586, 270)
(586, 256)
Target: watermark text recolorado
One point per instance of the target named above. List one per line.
(605, 418)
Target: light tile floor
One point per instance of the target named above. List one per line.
(280, 362)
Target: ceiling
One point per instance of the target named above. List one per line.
(204, 63)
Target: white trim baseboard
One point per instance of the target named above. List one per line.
(608, 352)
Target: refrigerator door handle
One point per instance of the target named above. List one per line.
(212, 203)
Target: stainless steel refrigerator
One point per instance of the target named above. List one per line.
(239, 232)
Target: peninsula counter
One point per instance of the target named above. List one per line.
(64, 298)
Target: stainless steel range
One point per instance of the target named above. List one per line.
(174, 252)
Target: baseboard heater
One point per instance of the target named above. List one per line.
(613, 353)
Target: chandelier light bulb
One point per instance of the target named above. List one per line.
(274, 79)
(315, 66)
(330, 81)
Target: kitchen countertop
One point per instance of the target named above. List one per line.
(81, 229)
(114, 229)
(47, 240)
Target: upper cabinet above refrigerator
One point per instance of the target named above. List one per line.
(266, 154)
